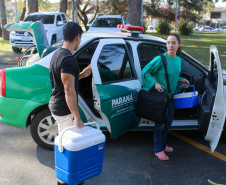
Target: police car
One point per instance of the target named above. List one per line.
(109, 95)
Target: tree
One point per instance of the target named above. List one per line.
(115, 7)
(88, 8)
(63, 6)
(31, 6)
(134, 12)
(5, 34)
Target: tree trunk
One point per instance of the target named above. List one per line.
(23, 11)
(5, 33)
(32, 6)
(134, 12)
(63, 6)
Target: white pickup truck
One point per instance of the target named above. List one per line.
(53, 23)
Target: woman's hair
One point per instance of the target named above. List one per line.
(179, 51)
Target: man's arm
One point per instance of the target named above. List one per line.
(68, 81)
(86, 72)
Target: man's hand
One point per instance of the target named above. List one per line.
(78, 124)
(159, 87)
(184, 80)
(86, 72)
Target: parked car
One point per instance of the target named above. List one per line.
(153, 27)
(107, 23)
(25, 91)
(207, 28)
(53, 23)
(197, 28)
(223, 29)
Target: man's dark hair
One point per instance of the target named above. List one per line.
(71, 30)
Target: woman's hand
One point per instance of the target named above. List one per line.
(159, 87)
(184, 80)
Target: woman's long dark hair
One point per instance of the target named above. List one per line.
(179, 51)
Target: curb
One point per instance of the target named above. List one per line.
(7, 63)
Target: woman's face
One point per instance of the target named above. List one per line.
(172, 44)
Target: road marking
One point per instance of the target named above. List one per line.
(198, 145)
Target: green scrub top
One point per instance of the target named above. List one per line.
(154, 72)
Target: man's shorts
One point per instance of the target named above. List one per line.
(64, 121)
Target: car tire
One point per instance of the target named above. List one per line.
(17, 50)
(44, 129)
(53, 39)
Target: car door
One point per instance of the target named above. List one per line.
(59, 28)
(115, 85)
(212, 104)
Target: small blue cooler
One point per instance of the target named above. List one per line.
(187, 99)
(79, 154)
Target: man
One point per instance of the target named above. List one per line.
(64, 76)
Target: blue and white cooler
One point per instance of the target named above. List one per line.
(79, 154)
(187, 99)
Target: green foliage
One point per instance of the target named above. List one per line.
(163, 27)
(145, 25)
(185, 29)
(115, 7)
(207, 22)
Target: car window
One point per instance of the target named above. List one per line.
(45, 19)
(147, 52)
(106, 22)
(64, 18)
(58, 18)
(114, 64)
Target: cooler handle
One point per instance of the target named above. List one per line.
(187, 86)
(60, 147)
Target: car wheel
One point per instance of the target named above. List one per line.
(44, 129)
(17, 50)
(53, 39)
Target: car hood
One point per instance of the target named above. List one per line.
(100, 29)
(36, 29)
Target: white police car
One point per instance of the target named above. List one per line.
(109, 95)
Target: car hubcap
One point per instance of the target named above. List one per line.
(47, 130)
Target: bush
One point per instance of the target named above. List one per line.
(145, 25)
(163, 27)
(185, 29)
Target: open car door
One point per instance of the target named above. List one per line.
(36, 29)
(115, 85)
(212, 107)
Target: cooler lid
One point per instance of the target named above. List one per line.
(185, 95)
(75, 140)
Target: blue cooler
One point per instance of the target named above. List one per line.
(187, 99)
(79, 154)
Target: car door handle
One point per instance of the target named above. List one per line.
(106, 98)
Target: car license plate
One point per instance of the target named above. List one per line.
(26, 38)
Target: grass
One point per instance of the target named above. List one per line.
(6, 53)
(199, 43)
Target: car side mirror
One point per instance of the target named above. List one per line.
(60, 23)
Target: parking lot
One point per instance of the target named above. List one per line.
(128, 160)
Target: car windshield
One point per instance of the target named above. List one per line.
(107, 22)
(45, 19)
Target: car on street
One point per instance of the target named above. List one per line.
(109, 95)
(53, 23)
(153, 27)
(107, 23)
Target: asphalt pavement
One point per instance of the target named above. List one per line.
(128, 160)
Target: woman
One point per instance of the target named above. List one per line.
(153, 75)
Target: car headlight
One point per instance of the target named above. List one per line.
(26, 33)
(13, 32)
